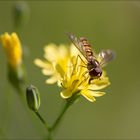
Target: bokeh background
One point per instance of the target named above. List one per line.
(106, 24)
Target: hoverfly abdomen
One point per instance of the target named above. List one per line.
(87, 48)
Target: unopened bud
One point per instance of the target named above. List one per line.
(33, 98)
(21, 13)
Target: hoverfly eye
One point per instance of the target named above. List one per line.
(98, 71)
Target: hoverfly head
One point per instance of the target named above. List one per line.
(95, 72)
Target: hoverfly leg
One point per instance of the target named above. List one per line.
(62, 85)
(85, 77)
(81, 59)
(82, 66)
(89, 82)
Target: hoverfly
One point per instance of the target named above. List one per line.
(93, 65)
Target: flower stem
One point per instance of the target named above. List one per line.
(60, 116)
(57, 121)
(69, 102)
(42, 120)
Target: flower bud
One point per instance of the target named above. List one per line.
(13, 50)
(20, 13)
(33, 98)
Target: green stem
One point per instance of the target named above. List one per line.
(69, 102)
(42, 120)
(60, 116)
(58, 120)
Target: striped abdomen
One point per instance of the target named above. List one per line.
(87, 49)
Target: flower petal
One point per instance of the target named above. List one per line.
(96, 93)
(63, 51)
(42, 64)
(59, 69)
(75, 52)
(48, 68)
(52, 80)
(51, 52)
(101, 82)
(66, 94)
(47, 71)
(98, 86)
(88, 95)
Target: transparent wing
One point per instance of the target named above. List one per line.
(77, 43)
(106, 56)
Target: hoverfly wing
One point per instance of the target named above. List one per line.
(77, 43)
(106, 56)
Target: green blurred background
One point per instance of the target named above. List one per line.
(106, 24)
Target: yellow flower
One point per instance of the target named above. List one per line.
(65, 67)
(12, 47)
(53, 55)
